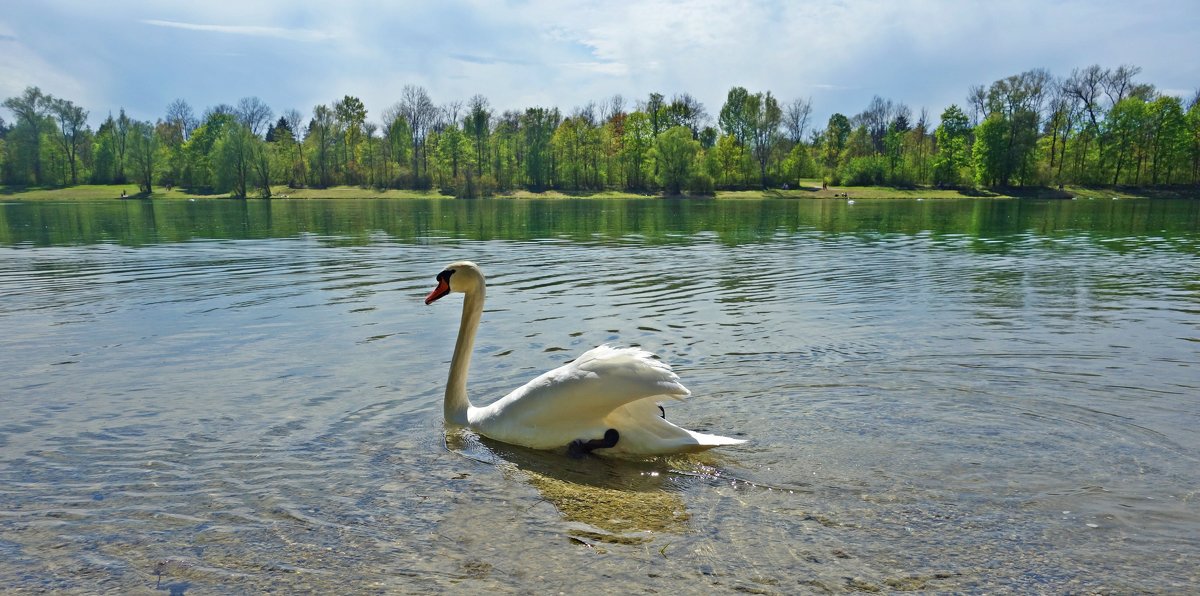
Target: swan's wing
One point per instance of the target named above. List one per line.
(644, 432)
(573, 400)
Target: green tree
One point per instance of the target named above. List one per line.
(143, 154)
(675, 150)
(763, 117)
(264, 163)
(1168, 134)
(735, 121)
(1192, 133)
(351, 115)
(72, 131)
(989, 151)
(637, 141)
(538, 125)
(452, 146)
(198, 150)
(799, 164)
(103, 154)
(685, 110)
(397, 137)
(121, 139)
(30, 109)
(837, 133)
(953, 147)
(1018, 101)
(322, 138)
(1124, 124)
(234, 160)
(478, 126)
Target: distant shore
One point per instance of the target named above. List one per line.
(810, 189)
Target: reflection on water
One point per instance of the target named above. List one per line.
(640, 221)
(612, 500)
(950, 396)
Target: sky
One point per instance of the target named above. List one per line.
(141, 55)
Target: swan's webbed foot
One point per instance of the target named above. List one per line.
(579, 448)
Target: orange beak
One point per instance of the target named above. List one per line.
(442, 289)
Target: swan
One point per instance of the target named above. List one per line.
(605, 401)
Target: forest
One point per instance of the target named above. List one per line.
(1097, 127)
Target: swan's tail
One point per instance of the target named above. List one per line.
(645, 432)
(706, 441)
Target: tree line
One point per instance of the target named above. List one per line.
(1098, 126)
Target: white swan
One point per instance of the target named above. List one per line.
(604, 401)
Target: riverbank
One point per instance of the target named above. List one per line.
(808, 189)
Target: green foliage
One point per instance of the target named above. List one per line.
(701, 184)
(1098, 126)
(675, 151)
(866, 170)
(988, 155)
(799, 164)
(837, 132)
(538, 125)
(953, 142)
(636, 143)
(143, 154)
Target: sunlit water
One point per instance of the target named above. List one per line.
(946, 396)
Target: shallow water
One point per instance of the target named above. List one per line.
(941, 395)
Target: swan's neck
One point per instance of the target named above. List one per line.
(456, 404)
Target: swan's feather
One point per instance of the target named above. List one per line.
(576, 400)
(644, 431)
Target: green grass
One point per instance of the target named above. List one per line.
(93, 192)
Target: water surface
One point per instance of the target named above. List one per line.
(222, 396)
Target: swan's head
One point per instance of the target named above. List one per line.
(462, 276)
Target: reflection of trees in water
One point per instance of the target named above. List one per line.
(652, 220)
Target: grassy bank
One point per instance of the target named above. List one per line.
(809, 189)
(93, 192)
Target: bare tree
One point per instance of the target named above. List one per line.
(450, 113)
(879, 114)
(254, 114)
(1085, 87)
(1119, 83)
(219, 109)
(795, 118)
(418, 110)
(977, 99)
(181, 116)
(1063, 109)
(615, 105)
(295, 122)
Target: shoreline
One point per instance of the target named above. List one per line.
(100, 192)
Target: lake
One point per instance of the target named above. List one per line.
(953, 396)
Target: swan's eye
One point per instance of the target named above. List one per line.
(445, 275)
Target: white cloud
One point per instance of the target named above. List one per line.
(565, 53)
(307, 35)
(22, 67)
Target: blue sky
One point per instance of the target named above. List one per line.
(141, 55)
